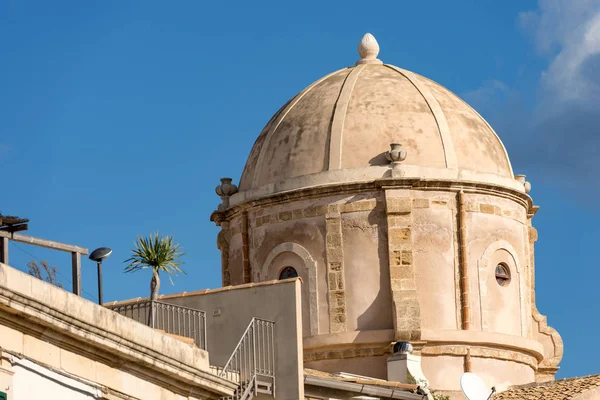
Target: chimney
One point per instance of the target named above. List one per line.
(405, 367)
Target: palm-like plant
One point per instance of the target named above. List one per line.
(157, 253)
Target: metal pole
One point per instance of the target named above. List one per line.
(4, 250)
(100, 282)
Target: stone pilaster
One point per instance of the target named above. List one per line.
(406, 309)
(223, 245)
(335, 270)
(247, 272)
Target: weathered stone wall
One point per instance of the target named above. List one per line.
(495, 234)
(435, 258)
(386, 265)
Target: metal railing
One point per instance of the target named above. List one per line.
(252, 363)
(171, 318)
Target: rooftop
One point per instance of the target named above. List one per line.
(583, 388)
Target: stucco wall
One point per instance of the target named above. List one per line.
(494, 234)
(366, 271)
(434, 255)
(278, 302)
(32, 381)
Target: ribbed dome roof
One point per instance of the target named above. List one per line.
(348, 120)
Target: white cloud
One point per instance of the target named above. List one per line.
(558, 137)
(568, 31)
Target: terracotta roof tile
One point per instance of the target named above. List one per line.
(563, 389)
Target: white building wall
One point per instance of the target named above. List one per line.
(32, 381)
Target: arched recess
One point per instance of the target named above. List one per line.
(310, 266)
(500, 251)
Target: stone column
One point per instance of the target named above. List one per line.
(335, 269)
(406, 309)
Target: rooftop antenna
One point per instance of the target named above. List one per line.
(473, 387)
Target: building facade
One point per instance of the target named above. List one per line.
(57, 345)
(397, 205)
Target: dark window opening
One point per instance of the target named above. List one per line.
(288, 272)
(502, 274)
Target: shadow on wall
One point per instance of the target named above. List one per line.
(372, 318)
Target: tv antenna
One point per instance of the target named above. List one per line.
(473, 387)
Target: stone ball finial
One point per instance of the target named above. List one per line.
(396, 154)
(368, 49)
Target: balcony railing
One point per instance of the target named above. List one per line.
(173, 319)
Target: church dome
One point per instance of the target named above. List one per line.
(343, 124)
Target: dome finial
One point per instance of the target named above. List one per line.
(368, 49)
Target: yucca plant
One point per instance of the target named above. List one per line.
(157, 253)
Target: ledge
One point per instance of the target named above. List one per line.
(480, 338)
(428, 338)
(383, 176)
(101, 334)
(349, 338)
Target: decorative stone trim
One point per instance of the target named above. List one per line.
(480, 352)
(311, 267)
(345, 352)
(336, 290)
(249, 199)
(361, 205)
(438, 113)
(223, 246)
(284, 216)
(374, 350)
(339, 117)
(273, 127)
(484, 269)
(406, 309)
(549, 365)
(492, 209)
(550, 360)
(261, 219)
(247, 272)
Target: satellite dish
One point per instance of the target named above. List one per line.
(100, 254)
(473, 387)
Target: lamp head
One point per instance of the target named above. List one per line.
(100, 254)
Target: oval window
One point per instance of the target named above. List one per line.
(502, 274)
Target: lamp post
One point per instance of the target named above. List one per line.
(98, 255)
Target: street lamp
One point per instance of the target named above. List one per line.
(98, 255)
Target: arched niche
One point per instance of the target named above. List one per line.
(290, 254)
(501, 302)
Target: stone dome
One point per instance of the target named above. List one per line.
(341, 126)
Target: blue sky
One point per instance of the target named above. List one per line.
(118, 118)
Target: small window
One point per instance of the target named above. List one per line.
(288, 272)
(502, 274)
